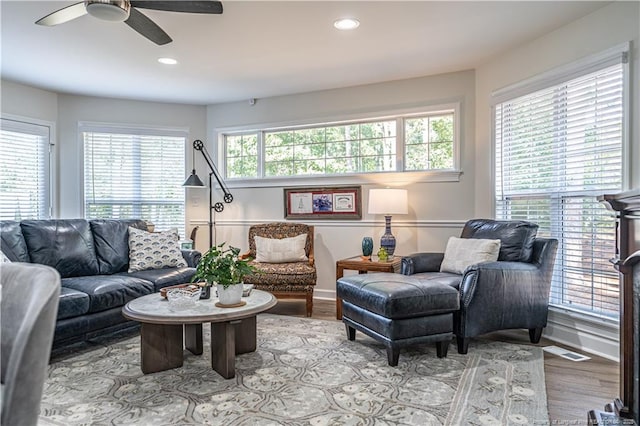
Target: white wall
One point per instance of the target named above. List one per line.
(437, 209)
(25, 101)
(607, 27)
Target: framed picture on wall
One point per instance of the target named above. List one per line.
(339, 202)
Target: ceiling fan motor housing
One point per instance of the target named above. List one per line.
(109, 10)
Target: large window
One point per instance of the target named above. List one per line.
(556, 150)
(408, 142)
(135, 173)
(25, 187)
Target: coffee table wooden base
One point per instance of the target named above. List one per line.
(161, 345)
(165, 333)
(229, 339)
(193, 338)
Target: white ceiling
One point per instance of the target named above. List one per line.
(257, 49)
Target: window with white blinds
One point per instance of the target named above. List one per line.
(25, 178)
(131, 173)
(556, 150)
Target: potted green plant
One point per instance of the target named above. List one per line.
(224, 268)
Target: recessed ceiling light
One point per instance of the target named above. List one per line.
(167, 61)
(346, 24)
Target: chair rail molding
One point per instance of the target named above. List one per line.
(367, 223)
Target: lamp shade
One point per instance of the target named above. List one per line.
(388, 201)
(193, 181)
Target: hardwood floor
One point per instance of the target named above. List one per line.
(573, 388)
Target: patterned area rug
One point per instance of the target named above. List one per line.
(305, 372)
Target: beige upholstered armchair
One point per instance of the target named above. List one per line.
(284, 260)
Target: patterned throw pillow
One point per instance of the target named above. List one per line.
(464, 252)
(154, 250)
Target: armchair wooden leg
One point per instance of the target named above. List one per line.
(442, 348)
(463, 344)
(535, 334)
(351, 332)
(393, 355)
(309, 304)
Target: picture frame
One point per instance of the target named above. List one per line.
(336, 202)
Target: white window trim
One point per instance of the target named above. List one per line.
(395, 177)
(53, 172)
(134, 129)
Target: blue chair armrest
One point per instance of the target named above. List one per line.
(421, 262)
(192, 257)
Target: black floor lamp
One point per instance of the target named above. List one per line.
(194, 181)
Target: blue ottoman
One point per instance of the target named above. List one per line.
(398, 310)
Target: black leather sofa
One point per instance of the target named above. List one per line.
(512, 292)
(92, 257)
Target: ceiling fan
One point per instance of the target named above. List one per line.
(125, 10)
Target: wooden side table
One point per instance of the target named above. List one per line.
(363, 266)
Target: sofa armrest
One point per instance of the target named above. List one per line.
(192, 257)
(421, 262)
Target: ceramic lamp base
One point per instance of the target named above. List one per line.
(388, 241)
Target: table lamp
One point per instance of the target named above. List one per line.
(388, 201)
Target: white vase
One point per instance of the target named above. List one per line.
(230, 295)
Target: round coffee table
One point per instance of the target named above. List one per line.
(233, 330)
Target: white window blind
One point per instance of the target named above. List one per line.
(25, 189)
(135, 175)
(556, 149)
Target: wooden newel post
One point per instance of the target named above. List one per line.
(625, 410)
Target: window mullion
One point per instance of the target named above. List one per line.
(400, 144)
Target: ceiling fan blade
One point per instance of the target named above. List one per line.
(201, 6)
(63, 15)
(147, 27)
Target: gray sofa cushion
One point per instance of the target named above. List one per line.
(12, 242)
(109, 291)
(65, 244)
(164, 277)
(111, 238)
(445, 278)
(516, 236)
(72, 303)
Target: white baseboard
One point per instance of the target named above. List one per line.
(584, 334)
(324, 294)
